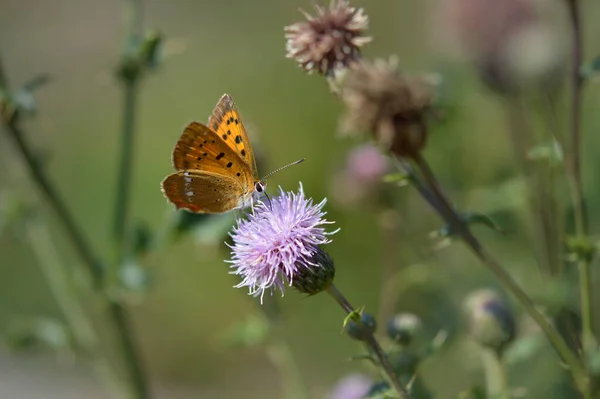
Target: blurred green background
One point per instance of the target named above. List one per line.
(237, 47)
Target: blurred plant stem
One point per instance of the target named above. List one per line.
(573, 167)
(460, 228)
(35, 168)
(60, 282)
(388, 291)
(118, 315)
(281, 356)
(371, 343)
(129, 74)
(540, 176)
(495, 374)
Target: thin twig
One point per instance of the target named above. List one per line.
(373, 344)
(574, 173)
(457, 224)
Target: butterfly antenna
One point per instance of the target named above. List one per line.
(282, 168)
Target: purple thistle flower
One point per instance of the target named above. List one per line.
(278, 244)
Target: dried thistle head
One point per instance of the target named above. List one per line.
(330, 39)
(393, 106)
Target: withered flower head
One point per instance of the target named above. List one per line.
(329, 40)
(393, 106)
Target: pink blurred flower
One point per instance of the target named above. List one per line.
(353, 386)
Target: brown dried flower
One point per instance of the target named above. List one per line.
(391, 105)
(329, 40)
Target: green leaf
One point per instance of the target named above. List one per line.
(29, 333)
(353, 316)
(552, 153)
(142, 238)
(591, 69)
(435, 345)
(524, 348)
(402, 179)
(470, 218)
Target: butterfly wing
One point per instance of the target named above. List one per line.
(201, 149)
(204, 192)
(226, 122)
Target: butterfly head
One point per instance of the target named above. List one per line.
(260, 186)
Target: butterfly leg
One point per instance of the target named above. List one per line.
(269, 200)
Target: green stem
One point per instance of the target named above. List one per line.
(540, 191)
(122, 201)
(118, 314)
(495, 375)
(508, 283)
(575, 179)
(281, 356)
(372, 343)
(81, 326)
(40, 179)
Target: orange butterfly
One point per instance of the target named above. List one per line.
(215, 165)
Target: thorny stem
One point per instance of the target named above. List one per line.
(574, 174)
(372, 343)
(508, 283)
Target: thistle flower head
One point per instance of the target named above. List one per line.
(392, 105)
(330, 39)
(278, 245)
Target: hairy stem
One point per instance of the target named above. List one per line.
(508, 283)
(372, 343)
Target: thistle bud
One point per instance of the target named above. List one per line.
(491, 321)
(403, 327)
(356, 331)
(318, 277)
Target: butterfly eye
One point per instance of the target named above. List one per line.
(259, 187)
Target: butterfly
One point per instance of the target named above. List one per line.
(215, 165)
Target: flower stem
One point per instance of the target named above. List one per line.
(372, 343)
(495, 375)
(574, 174)
(508, 283)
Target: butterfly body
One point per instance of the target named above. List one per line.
(215, 165)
